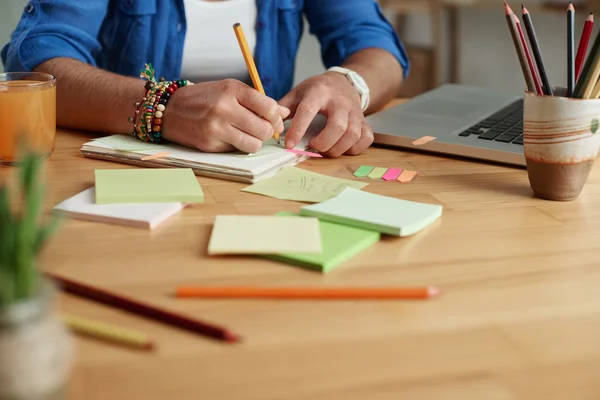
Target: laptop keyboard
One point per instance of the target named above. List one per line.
(504, 126)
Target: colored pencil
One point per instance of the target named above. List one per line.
(108, 332)
(570, 49)
(325, 293)
(588, 26)
(530, 63)
(537, 54)
(589, 73)
(132, 306)
(512, 27)
(247, 54)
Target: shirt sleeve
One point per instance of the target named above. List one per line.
(55, 28)
(345, 27)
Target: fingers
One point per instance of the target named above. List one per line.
(337, 125)
(241, 140)
(366, 140)
(303, 116)
(250, 123)
(349, 138)
(260, 105)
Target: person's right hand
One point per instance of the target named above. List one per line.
(222, 116)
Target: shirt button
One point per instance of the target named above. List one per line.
(29, 8)
(266, 81)
(260, 25)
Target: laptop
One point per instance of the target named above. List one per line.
(467, 121)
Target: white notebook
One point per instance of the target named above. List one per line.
(146, 215)
(238, 166)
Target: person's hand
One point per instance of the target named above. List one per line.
(332, 95)
(222, 116)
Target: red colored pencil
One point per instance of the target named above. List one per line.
(586, 34)
(534, 73)
(308, 293)
(135, 307)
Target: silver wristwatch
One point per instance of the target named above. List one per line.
(358, 82)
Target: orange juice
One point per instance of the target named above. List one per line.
(27, 115)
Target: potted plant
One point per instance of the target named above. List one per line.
(35, 347)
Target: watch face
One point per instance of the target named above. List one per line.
(358, 80)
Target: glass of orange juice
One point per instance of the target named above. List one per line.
(27, 115)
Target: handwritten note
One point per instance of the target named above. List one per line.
(129, 143)
(297, 184)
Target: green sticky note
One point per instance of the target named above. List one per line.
(363, 171)
(148, 185)
(372, 211)
(340, 243)
(129, 143)
(377, 173)
(298, 184)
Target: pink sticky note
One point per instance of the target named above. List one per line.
(304, 153)
(391, 174)
(423, 140)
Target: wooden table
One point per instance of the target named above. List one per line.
(520, 317)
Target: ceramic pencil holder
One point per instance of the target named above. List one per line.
(561, 138)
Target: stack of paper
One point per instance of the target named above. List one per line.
(136, 197)
(231, 166)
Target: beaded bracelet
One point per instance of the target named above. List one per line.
(150, 110)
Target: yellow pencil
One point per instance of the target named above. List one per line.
(110, 333)
(241, 38)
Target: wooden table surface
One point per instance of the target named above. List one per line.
(519, 318)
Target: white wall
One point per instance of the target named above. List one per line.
(11, 12)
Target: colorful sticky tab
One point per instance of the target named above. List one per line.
(391, 174)
(423, 140)
(304, 153)
(377, 173)
(407, 176)
(363, 171)
(155, 156)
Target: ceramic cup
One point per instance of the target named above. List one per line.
(561, 138)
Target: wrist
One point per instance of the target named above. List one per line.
(357, 82)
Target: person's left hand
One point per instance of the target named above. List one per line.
(331, 95)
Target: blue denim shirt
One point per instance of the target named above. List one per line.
(122, 35)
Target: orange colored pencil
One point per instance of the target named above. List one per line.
(325, 293)
(241, 38)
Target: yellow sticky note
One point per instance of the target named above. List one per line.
(264, 234)
(298, 184)
(377, 173)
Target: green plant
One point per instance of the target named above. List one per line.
(22, 235)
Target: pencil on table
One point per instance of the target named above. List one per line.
(241, 38)
(588, 26)
(138, 308)
(536, 51)
(110, 333)
(589, 73)
(570, 49)
(346, 293)
(512, 27)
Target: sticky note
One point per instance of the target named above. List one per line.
(371, 211)
(423, 140)
(305, 153)
(391, 174)
(298, 184)
(363, 171)
(377, 173)
(264, 234)
(148, 185)
(407, 176)
(340, 243)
